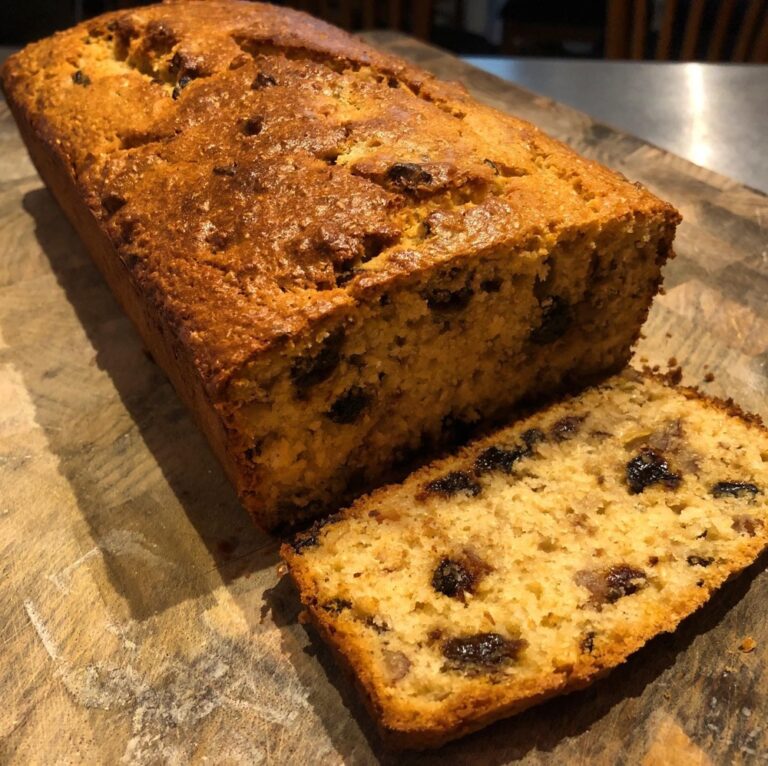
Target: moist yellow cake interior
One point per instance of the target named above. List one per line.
(574, 551)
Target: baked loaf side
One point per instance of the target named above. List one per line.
(538, 558)
(338, 259)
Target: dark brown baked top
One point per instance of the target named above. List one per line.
(257, 169)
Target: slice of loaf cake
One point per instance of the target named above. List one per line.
(537, 558)
(337, 259)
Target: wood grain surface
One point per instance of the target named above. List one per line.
(142, 619)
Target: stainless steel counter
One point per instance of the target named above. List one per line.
(715, 115)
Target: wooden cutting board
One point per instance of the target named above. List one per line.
(142, 618)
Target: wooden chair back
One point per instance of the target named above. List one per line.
(628, 24)
(412, 17)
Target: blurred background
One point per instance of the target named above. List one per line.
(666, 30)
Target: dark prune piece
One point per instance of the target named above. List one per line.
(348, 407)
(112, 203)
(80, 78)
(397, 664)
(734, 489)
(453, 483)
(699, 561)
(647, 468)
(588, 642)
(623, 580)
(609, 585)
(253, 126)
(336, 605)
(746, 525)
(430, 224)
(344, 271)
(532, 436)
(308, 538)
(225, 170)
(254, 450)
(309, 371)
(377, 624)
(409, 175)
(186, 64)
(176, 63)
(566, 428)
(160, 36)
(496, 459)
(444, 299)
(452, 579)
(556, 318)
(180, 85)
(263, 80)
(483, 649)
(491, 285)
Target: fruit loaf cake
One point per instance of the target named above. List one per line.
(537, 558)
(337, 259)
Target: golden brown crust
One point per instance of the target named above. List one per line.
(165, 348)
(180, 128)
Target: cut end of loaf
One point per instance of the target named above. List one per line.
(431, 359)
(537, 558)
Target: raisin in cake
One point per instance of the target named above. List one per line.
(538, 558)
(337, 259)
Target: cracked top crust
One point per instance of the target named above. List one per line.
(258, 170)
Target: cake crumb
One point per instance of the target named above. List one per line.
(282, 570)
(709, 377)
(675, 375)
(748, 645)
